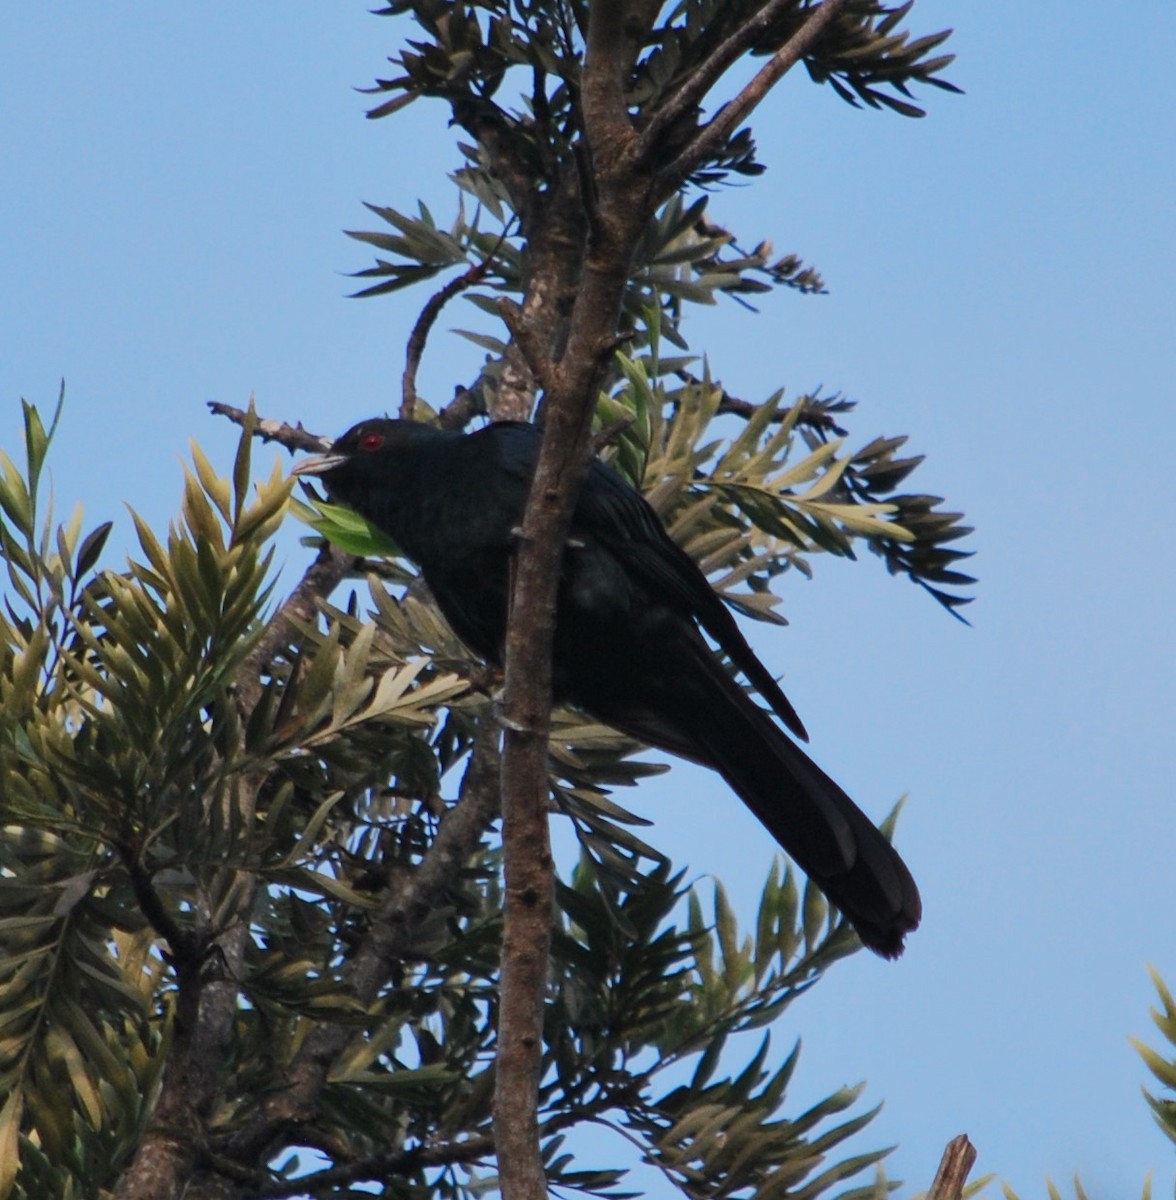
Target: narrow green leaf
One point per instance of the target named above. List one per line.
(241, 463)
(10, 1117)
(91, 548)
(36, 441)
(311, 831)
(15, 498)
(216, 488)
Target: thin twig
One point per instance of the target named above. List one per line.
(717, 131)
(703, 76)
(730, 405)
(293, 437)
(391, 934)
(429, 314)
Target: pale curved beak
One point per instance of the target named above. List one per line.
(320, 464)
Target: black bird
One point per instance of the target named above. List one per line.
(628, 647)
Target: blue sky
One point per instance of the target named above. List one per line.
(1001, 289)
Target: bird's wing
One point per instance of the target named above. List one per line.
(693, 708)
(618, 516)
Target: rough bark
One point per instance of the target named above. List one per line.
(952, 1176)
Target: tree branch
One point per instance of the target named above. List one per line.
(424, 323)
(171, 1145)
(573, 383)
(952, 1175)
(384, 1166)
(523, 335)
(719, 129)
(606, 119)
(527, 866)
(640, 16)
(184, 948)
(399, 1164)
(484, 121)
(420, 333)
(411, 897)
(461, 410)
(293, 437)
(703, 76)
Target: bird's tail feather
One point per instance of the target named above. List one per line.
(807, 813)
(830, 838)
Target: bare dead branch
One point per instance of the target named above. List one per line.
(293, 437)
(952, 1175)
(420, 334)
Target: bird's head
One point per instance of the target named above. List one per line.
(367, 455)
(363, 442)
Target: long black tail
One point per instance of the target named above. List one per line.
(830, 838)
(713, 721)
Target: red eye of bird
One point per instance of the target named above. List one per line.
(371, 441)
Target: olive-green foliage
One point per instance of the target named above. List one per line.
(1080, 1193)
(751, 506)
(1162, 1066)
(147, 809)
(510, 73)
(472, 45)
(198, 797)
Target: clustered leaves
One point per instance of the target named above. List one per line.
(149, 809)
(472, 47)
(1163, 1068)
(249, 897)
(638, 1000)
(683, 257)
(780, 491)
(869, 53)
(142, 803)
(119, 755)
